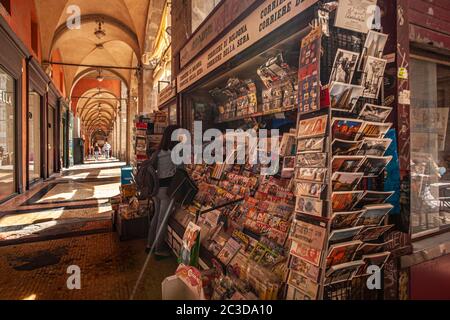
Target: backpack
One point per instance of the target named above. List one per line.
(146, 179)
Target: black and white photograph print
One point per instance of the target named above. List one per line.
(374, 147)
(344, 66)
(372, 112)
(344, 96)
(374, 47)
(373, 77)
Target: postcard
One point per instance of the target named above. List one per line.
(345, 147)
(374, 47)
(345, 234)
(373, 233)
(377, 259)
(312, 127)
(374, 130)
(303, 283)
(344, 96)
(344, 66)
(307, 269)
(312, 160)
(373, 77)
(374, 166)
(346, 181)
(308, 233)
(354, 15)
(306, 252)
(343, 272)
(374, 214)
(344, 201)
(310, 145)
(370, 248)
(346, 163)
(311, 206)
(309, 189)
(346, 129)
(374, 147)
(373, 197)
(342, 252)
(343, 220)
(311, 174)
(374, 113)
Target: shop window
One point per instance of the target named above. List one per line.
(7, 5)
(34, 137)
(201, 10)
(430, 146)
(7, 136)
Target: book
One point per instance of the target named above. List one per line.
(344, 234)
(230, 249)
(342, 253)
(343, 220)
(346, 181)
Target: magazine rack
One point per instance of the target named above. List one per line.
(357, 241)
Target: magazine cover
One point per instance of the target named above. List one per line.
(346, 129)
(374, 166)
(190, 245)
(373, 197)
(238, 265)
(373, 77)
(344, 200)
(374, 47)
(354, 14)
(311, 174)
(312, 160)
(309, 189)
(374, 147)
(228, 252)
(343, 220)
(303, 283)
(374, 130)
(344, 66)
(346, 163)
(342, 252)
(312, 127)
(374, 113)
(304, 268)
(311, 206)
(374, 214)
(344, 96)
(373, 233)
(345, 234)
(346, 181)
(343, 272)
(345, 147)
(311, 145)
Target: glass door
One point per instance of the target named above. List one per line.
(34, 137)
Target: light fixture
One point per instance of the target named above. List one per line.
(99, 32)
(99, 46)
(100, 77)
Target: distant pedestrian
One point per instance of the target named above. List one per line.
(97, 151)
(107, 149)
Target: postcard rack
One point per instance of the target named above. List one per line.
(341, 207)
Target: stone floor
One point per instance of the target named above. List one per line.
(67, 222)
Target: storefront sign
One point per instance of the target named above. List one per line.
(166, 94)
(227, 12)
(266, 18)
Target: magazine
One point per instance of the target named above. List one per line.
(374, 113)
(373, 197)
(342, 252)
(374, 130)
(303, 283)
(306, 269)
(343, 220)
(312, 127)
(373, 77)
(309, 189)
(346, 163)
(346, 129)
(344, 96)
(344, 66)
(311, 145)
(344, 234)
(308, 233)
(343, 272)
(373, 233)
(228, 252)
(374, 166)
(311, 206)
(374, 214)
(312, 160)
(238, 265)
(346, 181)
(354, 14)
(344, 200)
(190, 245)
(374, 147)
(311, 174)
(345, 147)
(306, 252)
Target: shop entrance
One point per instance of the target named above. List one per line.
(51, 140)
